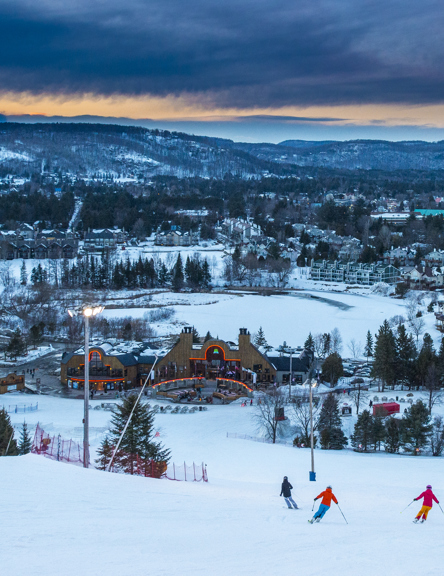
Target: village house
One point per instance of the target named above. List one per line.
(100, 239)
(175, 238)
(399, 256)
(434, 258)
(239, 230)
(353, 272)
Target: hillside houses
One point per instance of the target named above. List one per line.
(26, 243)
(423, 277)
(175, 238)
(240, 231)
(353, 272)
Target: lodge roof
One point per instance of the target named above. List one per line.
(282, 363)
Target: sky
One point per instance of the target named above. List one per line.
(262, 70)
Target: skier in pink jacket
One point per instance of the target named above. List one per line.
(426, 505)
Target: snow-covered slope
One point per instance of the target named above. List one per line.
(60, 519)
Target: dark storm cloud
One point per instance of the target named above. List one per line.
(232, 53)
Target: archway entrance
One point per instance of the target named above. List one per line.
(215, 365)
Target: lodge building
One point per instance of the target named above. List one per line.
(111, 369)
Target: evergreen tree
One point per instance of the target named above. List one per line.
(426, 358)
(332, 369)
(384, 365)
(177, 275)
(196, 337)
(104, 452)
(36, 334)
(393, 435)
(163, 275)
(206, 275)
(416, 427)
(440, 360)
(405, 356)
(309, 343)
(378, 431)
(368, 350)
(23, 274)
(16, 345)
(362, 435)
(138, 440)
(6, 433)
(326, 344)
(208, 336)
(259, 339)
(329, 425)
(25, 442)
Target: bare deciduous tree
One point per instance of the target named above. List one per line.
(301, 413)
(355, 348)
(417, 325)
(359, 397)
(267, 408)
(336, 341)
(318, 340)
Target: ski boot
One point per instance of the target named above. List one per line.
(415, 521)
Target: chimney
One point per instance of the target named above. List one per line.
(186, 337)
(244, 339)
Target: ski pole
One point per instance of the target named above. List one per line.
(440, 507)
(342, 514)
(313, 507)
(408, 506)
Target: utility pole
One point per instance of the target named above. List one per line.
(86, 311)
(86, 397)
(312, 472)
(291, 373)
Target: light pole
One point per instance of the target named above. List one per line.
(312, 384)
(288, 350)
(86, 312)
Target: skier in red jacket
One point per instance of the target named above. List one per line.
(426, 505)
(327, 496)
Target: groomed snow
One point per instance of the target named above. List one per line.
(60, 519)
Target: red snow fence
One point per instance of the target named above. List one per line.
(56, 448)
(134, 465)
(386, 408)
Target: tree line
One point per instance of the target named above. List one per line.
(100, 274)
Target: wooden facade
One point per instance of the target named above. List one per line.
(106, 371)
(212, 360)
(215, 359)
(12, 383)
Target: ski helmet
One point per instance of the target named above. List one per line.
(428, 487)
(330, 487)
(285, 478)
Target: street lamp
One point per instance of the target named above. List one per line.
(312, 384)
(87, 312)
(286, 349)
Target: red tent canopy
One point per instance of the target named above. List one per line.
(388, 407)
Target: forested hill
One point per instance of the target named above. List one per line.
(121, 151)
(124, 151)
(351, 155)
